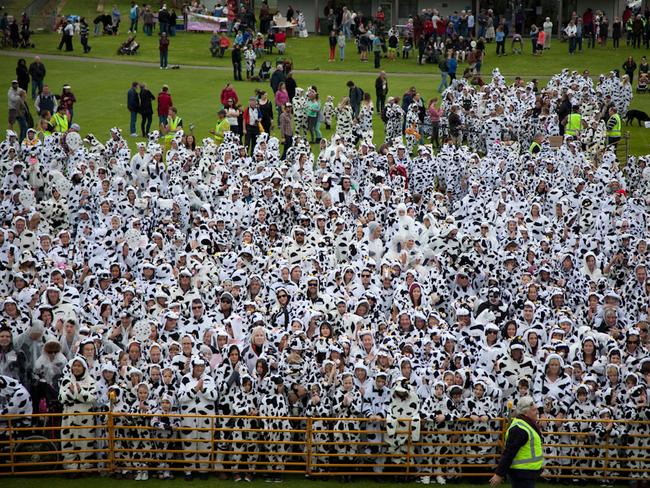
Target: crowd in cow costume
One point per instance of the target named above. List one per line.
(357, 282)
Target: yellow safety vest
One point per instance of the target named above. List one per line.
(220, 129)
(173, 125)
(573, 125)
(616, 130)
(534, 145)
(60, 123)
(530, 455)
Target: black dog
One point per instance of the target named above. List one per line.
(639, 115)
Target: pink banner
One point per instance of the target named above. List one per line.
(205, 23)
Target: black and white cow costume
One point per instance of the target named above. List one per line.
(160, 262)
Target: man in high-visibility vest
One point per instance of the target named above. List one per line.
(536, 145)
(522, 458)
(573, 122)
(174, 124)
(59, 120)
(614, 125)
(221, 127)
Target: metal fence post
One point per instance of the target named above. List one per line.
(111, 441)
(308, 447)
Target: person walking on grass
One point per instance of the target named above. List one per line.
(66, 36)
(629, 66)
(500, 38)
(163, 47)
(133, 104)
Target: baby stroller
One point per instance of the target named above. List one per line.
(129, 47)
(265, 70)
(25, 37)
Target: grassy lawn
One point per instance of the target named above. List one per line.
(101, 87)
(290, 482)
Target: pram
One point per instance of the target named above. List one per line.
(265, 70)
(129, 47)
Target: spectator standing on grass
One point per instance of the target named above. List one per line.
(37, 71)
(173, 18)
(534, 33)
(134, 14)
(570, 31)
(22, 74)
(617, 29)
(629, 66)
(163, 19)
(340, 40)
(291, 85)
(356, 95)
(452, 66)
(146, 108)
(46, 101)
(444, 72)
(541, 38)
(163, 47)
(332, 44)
(133, 104)
(381, 91)
(286, 129)
(13, 102)
(235, 57)
(376, 49)
(548, 32)
(83, 34)
(67, 100)
(281, 98)
(221, 127)
(164, 104)
(500, 38)
(277, 77)
(227, 93)
(147, 20)
(251, 127)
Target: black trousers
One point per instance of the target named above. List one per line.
(145, 125)
(252, 132)
(377, 59)
(236, 68)
(520, 478)
(381, 103)
(288, 142)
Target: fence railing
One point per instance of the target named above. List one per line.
(121, 443)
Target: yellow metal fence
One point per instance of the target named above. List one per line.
(120, 443)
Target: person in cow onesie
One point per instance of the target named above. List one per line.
(403, 420)
(77, 393)
(197, 396)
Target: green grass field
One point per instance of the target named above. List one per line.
(289, 482)
(101, 86)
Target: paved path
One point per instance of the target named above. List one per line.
(148, 64)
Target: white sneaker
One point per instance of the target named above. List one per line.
(425, 480)
(440, 480)
(145, 476)
(138, 476)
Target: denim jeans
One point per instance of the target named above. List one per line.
(341, 53)
(443, 81)
(134, 121)
(37, 88)
(148, 29)
(22, 122)
(163, 59)
(134, 25)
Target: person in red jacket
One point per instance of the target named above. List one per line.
(227, 93)
(164, 103)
